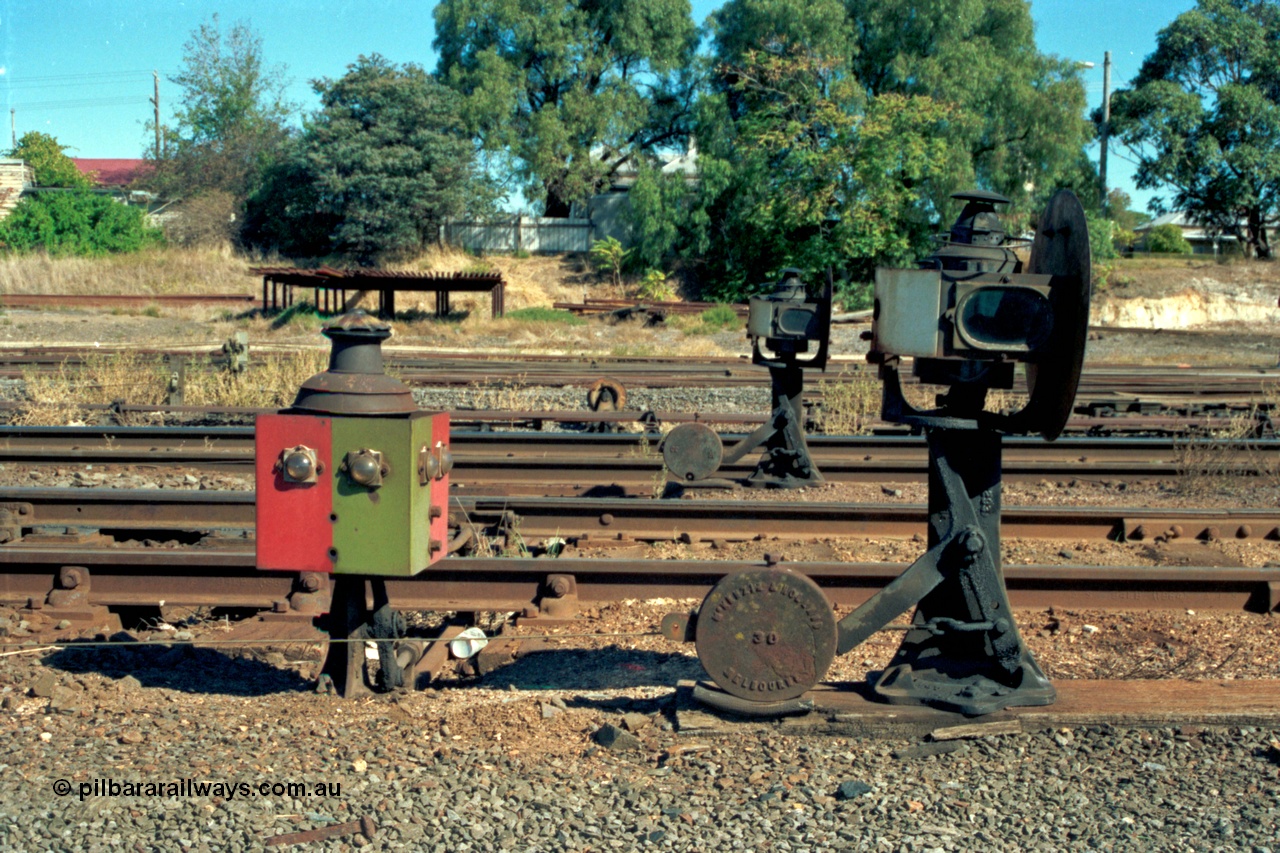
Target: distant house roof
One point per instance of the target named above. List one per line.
(1190, 229)
(111, 172)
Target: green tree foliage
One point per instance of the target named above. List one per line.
(836, 130)
(569, 91)
(52, 166)
(284, 214)
(1167, 239)
(1203, 117)
(378, 167)
(231, 119)
(1120, 211)
(812, 174)
(1017, 113)
(76, 223)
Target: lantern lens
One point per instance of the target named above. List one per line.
(1005, 318)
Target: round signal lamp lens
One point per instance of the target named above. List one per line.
(365, 470)
(1005, 318)
(299, 466)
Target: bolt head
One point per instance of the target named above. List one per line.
(972, 542)
(366, 468)
(299, 466)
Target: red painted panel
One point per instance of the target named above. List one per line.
(294, 531)
(440, 488)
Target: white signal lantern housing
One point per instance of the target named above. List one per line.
(921, 313)
(971, 311)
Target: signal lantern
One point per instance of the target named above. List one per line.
(336, 490)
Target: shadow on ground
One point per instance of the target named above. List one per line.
(610, 668)
(182, 667)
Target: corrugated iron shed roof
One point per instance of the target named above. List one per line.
(112, 172)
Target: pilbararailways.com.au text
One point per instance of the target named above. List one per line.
(188, 788)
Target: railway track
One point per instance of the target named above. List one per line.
(1108, 422)
(91, 300)
(630, 464)
(33, 516)
(1102, 386)
(226, 577)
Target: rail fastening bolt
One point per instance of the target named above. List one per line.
(71, 577)
(560, 586)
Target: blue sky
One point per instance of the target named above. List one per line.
(81, 69)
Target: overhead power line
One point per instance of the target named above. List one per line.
(85, 103)
(85, 76)
(78, 84)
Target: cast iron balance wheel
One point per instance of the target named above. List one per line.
(965, 317)
(781, 325)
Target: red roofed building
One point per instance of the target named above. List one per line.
(112, 172)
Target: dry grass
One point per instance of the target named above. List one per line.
(850, 402)
(271, 382)
(154, 272)
(62, 397)
(534, 281)
(1225, 459)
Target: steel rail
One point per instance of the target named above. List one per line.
(629, 464)
(1105, 417)
(49, 513)
(41, 300)
(227, 578)
(1114, 382)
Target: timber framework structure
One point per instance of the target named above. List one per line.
(333, 288)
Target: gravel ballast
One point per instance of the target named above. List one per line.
(575, 749)
(1093, 789)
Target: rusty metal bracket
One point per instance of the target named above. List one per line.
(680, 627)
(72, 589)
(13, 518)
(560, 597)
(312, 593)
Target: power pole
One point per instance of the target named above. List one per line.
(156, 103)
(13, 127)
(1105, 130)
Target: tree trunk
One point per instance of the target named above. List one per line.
(1257, 229)
(556, 205)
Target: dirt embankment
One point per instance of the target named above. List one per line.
(1188, 295)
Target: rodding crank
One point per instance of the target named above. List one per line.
(966, 316)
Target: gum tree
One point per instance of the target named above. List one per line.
(1019, 113)
(231, 117)
(568, 92)
(1202, 118)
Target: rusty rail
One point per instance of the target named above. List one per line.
(226, 578)
(47, 515)
(627, 464)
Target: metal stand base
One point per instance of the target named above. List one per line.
(963, 652)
